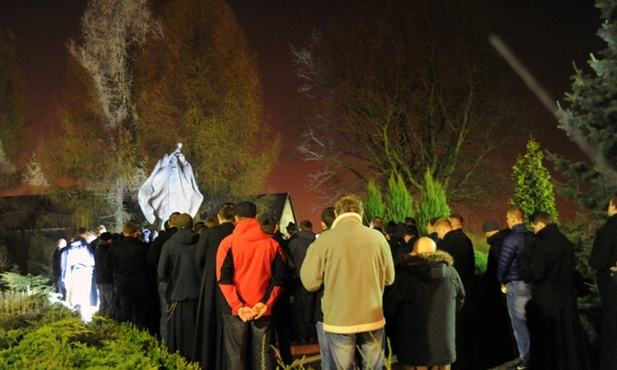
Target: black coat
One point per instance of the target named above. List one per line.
(603, 256)
(422, 305)
(103, 270)
(207, 349)
(460, 247)
(128, 258)
(552, 317)
(495, 338)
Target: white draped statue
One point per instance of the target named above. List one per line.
(170, 188)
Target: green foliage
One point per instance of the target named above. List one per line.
(72, 344)
(433, 203)
(533, 188)
(200, 85)
(399, 203)
(373, 203)
(588, 117)
(12, 109)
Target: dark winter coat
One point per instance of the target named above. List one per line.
(177, 264)
(556, 337)
(103, 271)
(129, 262)
(208, 350)
(603, 256)
(495, 337)
(460, 247)
(422, 305)
(298, 247)
(513, 247)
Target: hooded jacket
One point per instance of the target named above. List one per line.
(177, 264)
(249, 268)
(421, 305)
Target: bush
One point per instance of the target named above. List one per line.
(72, 344)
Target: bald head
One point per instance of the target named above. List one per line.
(425, 245)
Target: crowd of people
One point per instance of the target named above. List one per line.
(225, 291)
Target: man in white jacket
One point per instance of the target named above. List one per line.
(354, 264)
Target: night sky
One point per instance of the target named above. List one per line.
(548, 36)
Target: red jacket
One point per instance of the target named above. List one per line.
(249, 267)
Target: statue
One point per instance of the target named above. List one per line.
(170, 188)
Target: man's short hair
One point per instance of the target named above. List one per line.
(246, 209)
(129, 228)
(227, 212)
(410, 221)
(306, 225)
(377, 222)
(328, 216)
(457, 216)
(411, 230)
(99, 230)
(517, 212)
(210, 222)
(173, 219)
(82, 230)
(267, 224)
(443, 222)
(433, 220)
(540, 216)
(349, 203)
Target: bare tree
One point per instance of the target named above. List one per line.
(113, 33)
(403, 88)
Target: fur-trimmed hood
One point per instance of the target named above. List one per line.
(428, 266)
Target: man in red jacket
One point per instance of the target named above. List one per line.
(250, 272)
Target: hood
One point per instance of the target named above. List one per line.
(184, 237)
(428, 266)
(249, 229)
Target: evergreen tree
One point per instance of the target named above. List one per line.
(12, 109)
(399, 203)
(533, 187)
(589, 117)
(433, 203)
(373, 204)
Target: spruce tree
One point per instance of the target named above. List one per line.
(533, 187)
(589, 117)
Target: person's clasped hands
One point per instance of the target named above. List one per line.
(252, 313)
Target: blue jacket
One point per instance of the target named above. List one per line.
(509, 268)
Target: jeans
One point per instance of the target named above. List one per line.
(343, 348)
(236, 338)
(517, 295)
(324, 350)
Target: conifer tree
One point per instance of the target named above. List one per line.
(433, 203)
(399, 203)
(533, 187)
(12, 109)
(588, 117)
(373, 204)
